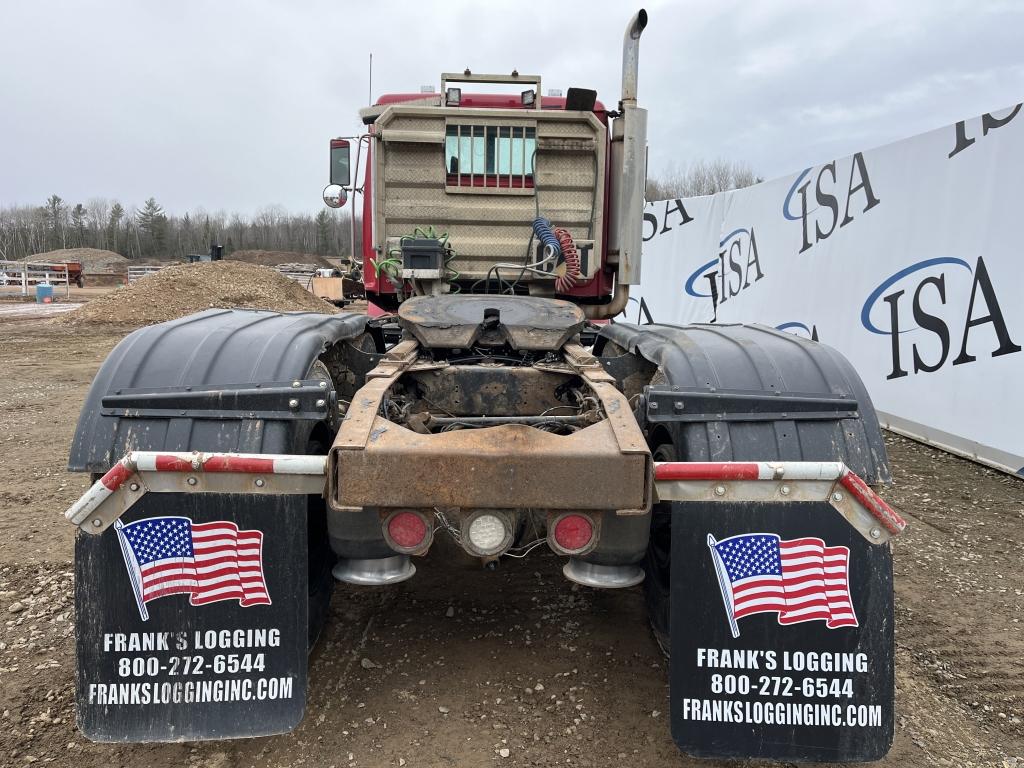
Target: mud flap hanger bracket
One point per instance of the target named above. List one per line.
(781, 482)
(142, 472)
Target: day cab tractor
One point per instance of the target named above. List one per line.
(245, 460)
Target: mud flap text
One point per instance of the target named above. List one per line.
(781, 632)
(192, 619)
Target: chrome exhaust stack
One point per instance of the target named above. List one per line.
(631, 57)
(628, 163)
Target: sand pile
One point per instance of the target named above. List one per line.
(91, 259)
(186, 288)
(273, 258)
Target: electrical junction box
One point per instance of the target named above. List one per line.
(422, 258)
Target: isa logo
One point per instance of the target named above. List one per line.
(835, 188)
(966, 137)
(736, 269)
(929, 296)
(658, 222)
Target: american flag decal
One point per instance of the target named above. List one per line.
(207, 561)
(798, 579)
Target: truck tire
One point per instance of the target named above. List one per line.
(320, 558)
(657, 562)
(748, 393)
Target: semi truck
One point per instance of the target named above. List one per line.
(244, 461)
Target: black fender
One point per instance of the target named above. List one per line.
(752, 393)
(204, 383)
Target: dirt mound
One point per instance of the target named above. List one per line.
(186, 288)
(91, 259)
(273, 258)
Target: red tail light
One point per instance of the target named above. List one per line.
(573, 533)
(407, 531)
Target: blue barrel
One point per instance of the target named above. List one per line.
(44, 293)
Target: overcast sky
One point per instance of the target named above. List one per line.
(230, 104)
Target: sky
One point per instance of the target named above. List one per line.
(229, 105)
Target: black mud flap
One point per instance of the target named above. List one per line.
(781, 634)
(192, 619)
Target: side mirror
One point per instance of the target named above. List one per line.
(335, 196)
(341, 173)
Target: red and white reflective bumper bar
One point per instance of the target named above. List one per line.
(150, 471)
(781, 481)
(752, 481)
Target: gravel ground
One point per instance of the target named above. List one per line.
(26, 310)
(514, 667)
(91, 259)
(273, 258)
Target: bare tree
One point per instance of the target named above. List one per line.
(99, 210)
(701, 178)
(8, 238)
(150, 232)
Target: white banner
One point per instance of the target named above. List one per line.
(908, 259)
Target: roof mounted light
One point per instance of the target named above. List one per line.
(452, 97)
(528, 98)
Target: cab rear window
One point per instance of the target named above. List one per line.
(490, 156)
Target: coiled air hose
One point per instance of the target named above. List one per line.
(571, 256)
(542, 229)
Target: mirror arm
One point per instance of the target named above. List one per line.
(357, 258)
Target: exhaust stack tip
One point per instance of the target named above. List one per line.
(637, 24)
(631, 56)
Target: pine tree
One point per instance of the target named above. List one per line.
(185, 235)
(153, 222)
(323, 232)
(56, 211)
(114, 224)
(79, 214)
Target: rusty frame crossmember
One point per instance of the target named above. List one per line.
(142, 472)
(375, 462)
